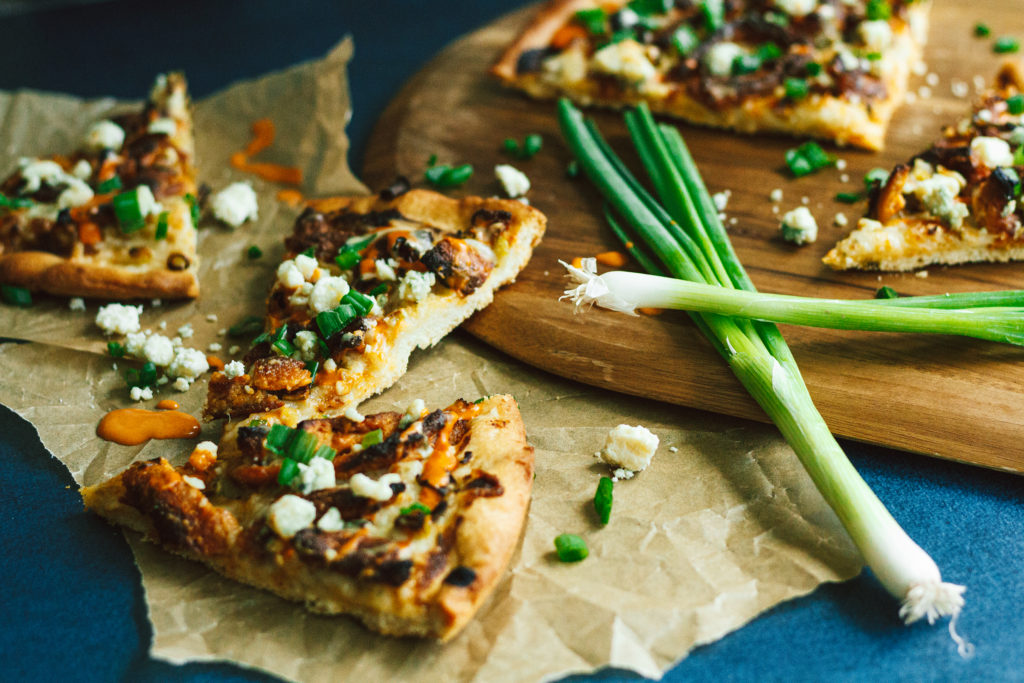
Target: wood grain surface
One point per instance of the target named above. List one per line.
(944, 396)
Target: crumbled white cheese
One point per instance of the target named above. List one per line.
(158, 349)
(513, 181)
(938, 193)
(992, 152)
(182, 384)
(330, 365)
(141, 393)
(380, 489)
(194, 482)
(415, 410)
(300, 297)
(327, 293)
(568, 67)
(186, 331)
(211, 317)
(164, 126)
(775, 195)
(288, 275)
(148, 205)
(840, 164)
(306, 345)
(234, 348)
(629, 447)
(798, 8)
(331, 521)
(207, 446)
(353, 414)
(798, 226)
(76, 303)
(118, 318)
(234, 369)
(621, 474)
(384, 269)
(290, 514)
(721, 199)
(415, 286)
(840, 220)
(625, 59)
(82, 169)
(482, 249)
(104, 135)
(307, 265)
(720, 57)
(673, 449)
(235, 204)
(877, 34)
(318, 474)
(921, 274)
(187, 363)
(135, 342)
(35, 172)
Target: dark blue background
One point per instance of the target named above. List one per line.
(71, 607)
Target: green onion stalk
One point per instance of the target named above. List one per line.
(684, 233)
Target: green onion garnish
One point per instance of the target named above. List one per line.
(570, 548)
(362, 303)
(309, 252)
(796, 88)
(283, 347)
(161, 225)
(312, 367)
(531, 145)
(981, 30)
(415, 507)
(347, 258)
(1015, 104)
(777, 18)
(346, 313)
(325, 452)
(594, 20)
(109, 185)
(15, 202)
(768, 52)
(685, 40)
(289, 470)
(379, 289)
(256, 422)
(254, 252)
(249, 325)
(16, 296)
(878, 9)
(646, 8)
(193, 207)
(372, 438)
(745, 64)
(115, 349)
(850, 197)
(432, 160)
(128, 212)
(886, 293)
(876, 175)
(813, 68)
(329, 323)
(280, 333)
(301, 446)
(807, 158)
(448, 176)
(572, 169)
(511, 146)
(1005, 45)
(713, 12)
(603, 499)
(141, 377)
(277, 438)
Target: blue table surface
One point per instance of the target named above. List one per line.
(71, 600)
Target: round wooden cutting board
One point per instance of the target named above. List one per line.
(944, 396)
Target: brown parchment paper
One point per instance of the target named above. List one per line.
(713, 533)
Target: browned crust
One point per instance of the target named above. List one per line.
(46, 272)
(551, 17)
(486, 535)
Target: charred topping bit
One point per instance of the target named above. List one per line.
(460, 576)
(177, 261)
(396, 189)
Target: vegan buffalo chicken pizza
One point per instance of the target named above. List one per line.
(835, 69)
(114, 219)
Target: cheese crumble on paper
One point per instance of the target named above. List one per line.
(628, 449)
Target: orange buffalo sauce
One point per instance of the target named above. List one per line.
(263, 134)
(615, 259)
(443, 458)
(132, 426)
(290, 197)
(167, 404)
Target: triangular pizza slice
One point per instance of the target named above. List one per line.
(958, 201)
(114, 219)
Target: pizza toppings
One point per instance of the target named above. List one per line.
(289, 514)
(629, 448)
(513, 181)
(235, 204)
(798, 226)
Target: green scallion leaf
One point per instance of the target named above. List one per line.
(15, 202)
(301, 446)
(329, 323)
(346, 313)
(745, 64)
(603, 499)
(325, 452)
(647, 8)
(531, 145)
(1006, 45)
(161, 225)
(289, 470)
(309, 252)
(254, 252)
(359, 301)
(886, 293)
(193, 208)
(249, 325)
(347, 258)
(876, 175)
(570, 548)
(141, 377)
(379, 289)
(572, 169)
(109, 185)
(277, 438)
(807, 158)
(415, 507)
(510, 146)
(685, 40)
(256, 422)
(594, 20)
(796, 88)
(713, 12)
(768, 52)
(981, 30)
(115, 349)
(1015, 104)
(16, 296)
(432, 160)
(850, 197)
(313, 367)
(283, 347)
(128, 212)
(813, 69)
(372, 438)
(878, 9)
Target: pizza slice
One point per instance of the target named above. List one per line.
(957, 202)
(404, 521)
(114, 219)
(365, 282)
(833, 69)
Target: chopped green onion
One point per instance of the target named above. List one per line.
(281, 332)
(346, 313)
(256, 422)
(713, 12)
(594, 20)
(359, 301)
(447, 176)
(372, 438)
(325, 452)
(193, 208)
(309, 252)
(531, 145)
(264, 337)
(1006, 45)
(329, 323)
(511, 146)
(142, 377)
(109, 185)
(247, 326)
(850, 197)
(161, 225)
(415, 507)
(570, 548)
(15, 202)
(572, 169)
(432, 160)
(813, 69)
(347, 258)
(685, 40)
(289, 470)
(301, 446)
(283, 347)
(796, 88)
(745, 64)
(379, 289)
(878, 9)
(480, 400)
(981, 30)
(777, 18)
(16, 296)
(603, 499)
(807, 158)
(115, 349)
(128, 212)
(768, 52)
(277, 438)
(254, 252)
(876, 175)
(313, 367)
(1015, 104)
(886, 293)
(646, 8)
(1018, 156)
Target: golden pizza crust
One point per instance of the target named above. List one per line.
(836, 118)
(487, 529)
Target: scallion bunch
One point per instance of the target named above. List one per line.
(681, 228)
